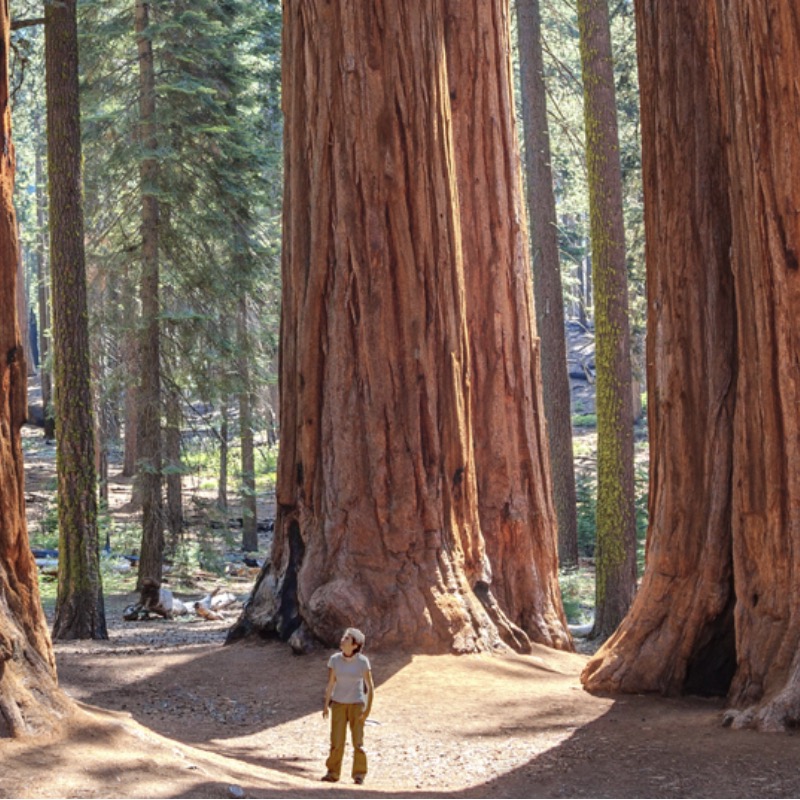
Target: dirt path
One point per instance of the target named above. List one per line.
(168, 712)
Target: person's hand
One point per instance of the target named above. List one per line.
(325, 712)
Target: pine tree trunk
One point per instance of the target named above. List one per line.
(30, 701)
(615, 554)
(149, 455)
(43, 295)
(377, 520)
(222, 483)
(130, 354)
(248, 464)
(717, 611)
(79, 610)
(515, 501)
(172, 445)
(548, 295)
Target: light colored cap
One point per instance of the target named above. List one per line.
(356, 635)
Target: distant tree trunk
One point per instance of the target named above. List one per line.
(615, 554)
(548, 295)
(378, 519)
(246, 402)
(717, 612)
(79, 610)
(30, 700)
(22, 306)
(222, 484)
(515, 501)
(149, 475)
(130, 354)
(43, 279)
(172, 445)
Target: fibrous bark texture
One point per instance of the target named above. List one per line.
(515, 499)
(717, 611)
(29, 696)
(615, 553)
(378, 522)
(148, 429)
(547, 289)
(80, 610)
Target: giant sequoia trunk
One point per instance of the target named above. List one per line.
(29, 696)
(515, 499)
(80, 610)
(717, 609)
(547, 278)
(378, 521)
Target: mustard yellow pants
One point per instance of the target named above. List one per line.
(342, 715)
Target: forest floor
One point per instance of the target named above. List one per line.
(164, 710)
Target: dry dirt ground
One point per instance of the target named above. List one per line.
(166, 713)
(164, 710)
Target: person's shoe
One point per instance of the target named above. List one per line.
(329, 777)
(359, 779)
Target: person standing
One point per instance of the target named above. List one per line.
(348, 696)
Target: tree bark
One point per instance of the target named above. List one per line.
(758, 46)
(716, 612)
(130, 352)
(246, 438)
(43, 294)
(149, 448)
(548, 295)
(80, 612)
(377, 519)
(515, 501)
(172, 446)
(30, 701)
(222, 481)
(615, 553)
(679, 633)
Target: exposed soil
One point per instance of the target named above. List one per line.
(165, 710)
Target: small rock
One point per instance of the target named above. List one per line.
(237, 792)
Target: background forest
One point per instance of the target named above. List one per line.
(218, 189)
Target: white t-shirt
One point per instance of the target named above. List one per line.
(350, 676)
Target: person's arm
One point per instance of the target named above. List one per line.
(370, 687)
(328, 692)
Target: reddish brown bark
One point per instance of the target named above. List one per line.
(716, 611)
(515, 502)
(378, 518)
(29, 696)
(680, 620)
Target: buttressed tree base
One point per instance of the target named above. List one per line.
(717, 611)
(379, 522)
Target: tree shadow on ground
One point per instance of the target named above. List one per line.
(199, 693)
